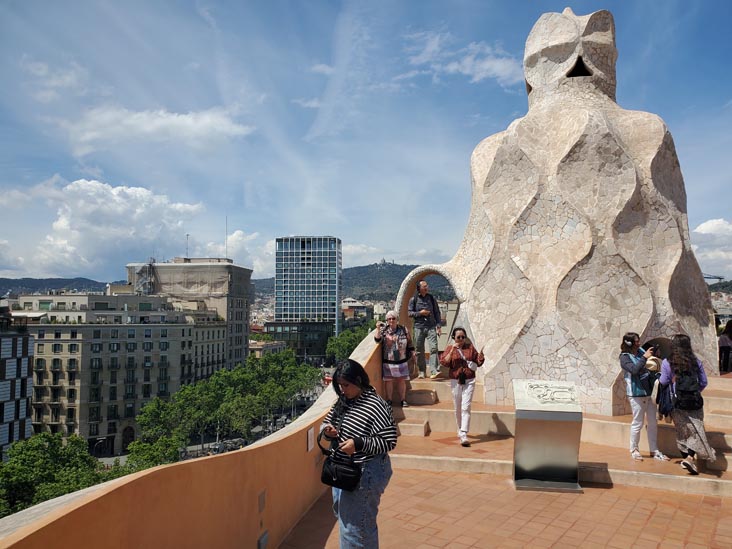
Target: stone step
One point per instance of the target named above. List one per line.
(598, 464)
(722, 383)
(715, 399)
(442, 388)
(605, 430)
(719, 419)
(413, 428)
(422, 397)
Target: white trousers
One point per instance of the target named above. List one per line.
(643, 406)
(462, 397)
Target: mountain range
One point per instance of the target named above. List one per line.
(375, 282)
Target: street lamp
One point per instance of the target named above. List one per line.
(99, 441)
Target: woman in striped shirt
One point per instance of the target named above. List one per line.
(362, 426)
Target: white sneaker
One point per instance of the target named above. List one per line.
(421, 375)
(464, 441)
(636, 455)
(660, 456)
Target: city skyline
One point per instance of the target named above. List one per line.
(135, 130)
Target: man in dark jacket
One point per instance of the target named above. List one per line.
(425, 314)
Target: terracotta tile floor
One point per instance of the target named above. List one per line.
(455, 510)
(423, 509)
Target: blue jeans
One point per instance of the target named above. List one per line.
(430, 336)
(356, 511)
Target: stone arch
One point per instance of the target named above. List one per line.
(455, 314)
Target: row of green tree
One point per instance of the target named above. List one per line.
(342, 345)
(228, 404)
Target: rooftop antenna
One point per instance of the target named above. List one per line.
(187, 235)
(226, 238)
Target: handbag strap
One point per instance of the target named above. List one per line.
(332, 449)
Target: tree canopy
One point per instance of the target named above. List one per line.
(229, 404)
(44, 467)
(342, 345)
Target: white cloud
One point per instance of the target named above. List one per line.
(478, 61)
(14, 198)
(426, 47)
(320, 68)
(49, 82)
(9, 262)
(98, 225)
(713, 247)
(104, 127)
(264, 260)
(308, 103)
(236, 248)
(715, 227)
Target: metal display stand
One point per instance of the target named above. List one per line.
(547, 438)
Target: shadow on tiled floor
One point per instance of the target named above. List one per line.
(459, 510)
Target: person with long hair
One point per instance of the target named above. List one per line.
(462, 359)
(685, 372)
(362, 427)
(725, 345)
(396, 350)
(632, 361)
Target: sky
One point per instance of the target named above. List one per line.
(138, 129)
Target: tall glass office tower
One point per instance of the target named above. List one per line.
(308, 279)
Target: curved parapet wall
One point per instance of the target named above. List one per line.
(578, 229)
(230, 500)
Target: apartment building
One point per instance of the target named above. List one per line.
(100, 358)
(216, 284)
(16, 356)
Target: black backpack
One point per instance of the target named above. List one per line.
(688, 396)
(687, 381)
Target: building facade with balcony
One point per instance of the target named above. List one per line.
(16, 384)
(93, 378)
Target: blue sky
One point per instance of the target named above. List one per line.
(128, 125)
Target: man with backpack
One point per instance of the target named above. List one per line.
(425, 314)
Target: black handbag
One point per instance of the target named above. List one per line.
(339, 474)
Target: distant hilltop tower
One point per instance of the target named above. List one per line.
(578, 229)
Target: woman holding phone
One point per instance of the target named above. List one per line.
(463, 359)
(632, 361)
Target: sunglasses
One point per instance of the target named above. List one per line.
(391, 318)
(459, 337)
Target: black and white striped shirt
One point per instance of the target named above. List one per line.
(368, 420)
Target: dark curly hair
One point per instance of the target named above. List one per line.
(682, 357)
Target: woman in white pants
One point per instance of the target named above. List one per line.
(462, 358)
(632, 362)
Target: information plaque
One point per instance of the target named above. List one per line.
(547, 439)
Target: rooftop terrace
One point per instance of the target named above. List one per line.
(442, 495)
